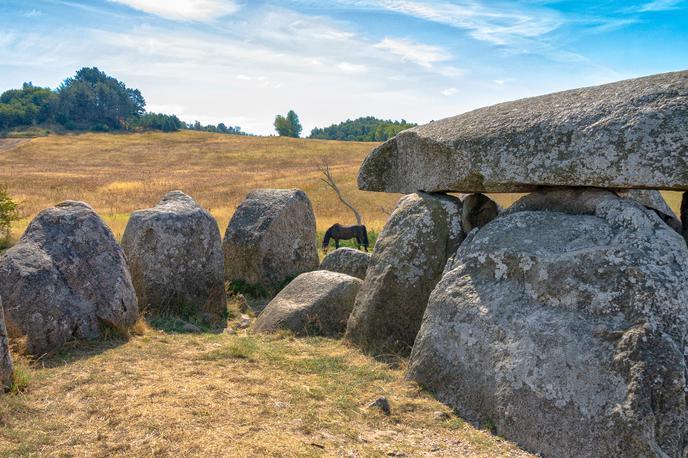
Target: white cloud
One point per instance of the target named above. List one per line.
(506, 24)
(184, 10)
(421, 54)
(347, 67)
(452, 91)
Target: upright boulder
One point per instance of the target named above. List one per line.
(477, 210)
(174, 252)
(409, 256)
(347, 261)
(628, 134)
(314, 303)
(271, 238)
(5, 357)
(653, 200)
(564, 322)
(66, 278)
(684, 215)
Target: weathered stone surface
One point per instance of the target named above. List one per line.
(564, 322)
(684, 215)
(175, 257)
(347, 261)
(654, 201)
(314, 303)
(66, 278)
(271, 238)
(5, 357)
(409, 256)
(477, 210)
(629, 134)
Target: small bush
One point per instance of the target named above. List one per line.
(9, 211)
(20, 379)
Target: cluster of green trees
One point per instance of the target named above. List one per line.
(220, 128)
(90, 100)
(288, 126)
(368, 129)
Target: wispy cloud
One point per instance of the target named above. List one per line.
(411, 51)
(659, 5)
(184, 10)
(450, 92)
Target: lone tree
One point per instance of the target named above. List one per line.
(288, 126)
(328, 179)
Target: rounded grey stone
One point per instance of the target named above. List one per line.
(564, 322)
(66, 278)
(347, 261)
(271, 238)
(174, 253)
(314, 303)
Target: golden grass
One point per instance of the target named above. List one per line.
(117, 174)
(228, 395)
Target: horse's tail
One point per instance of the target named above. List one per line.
(364, 236)
(328, 236)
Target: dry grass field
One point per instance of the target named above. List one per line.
(117, 174)
(217, 395)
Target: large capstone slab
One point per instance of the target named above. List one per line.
(629, 134)
(174, 253)
(564, 322)
(271, 238)
(66, 278)
(314, 303)
(6, 367)
(410, 254)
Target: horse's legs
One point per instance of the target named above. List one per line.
(358, 242)
(336, 244)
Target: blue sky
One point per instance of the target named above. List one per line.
(241, 62)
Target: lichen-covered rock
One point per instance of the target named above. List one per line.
(629, 134)
(564, 322)
(174, 252)
(271, 238)
(409, 256)
(347, 261)
(66, 278)
(477, 210)
(314, 303)
(684, 215)
(654, 201)
(6, 367)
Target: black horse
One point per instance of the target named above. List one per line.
(339, 232)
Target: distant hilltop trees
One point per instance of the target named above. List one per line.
(90, 100)
(368, 129)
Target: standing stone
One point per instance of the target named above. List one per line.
(409, 256)
(654, 201)
(564, 322)
(477, 210)
(628, 134)
(684, 215)
(5, 357)
(174, 252)
(347, 261)
(314, 303)
(65, 279)
(271, 238)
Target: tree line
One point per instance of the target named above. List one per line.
(366, 129)
(90, 100)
